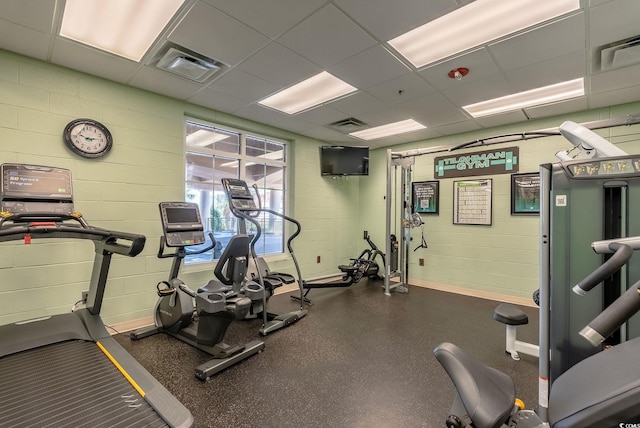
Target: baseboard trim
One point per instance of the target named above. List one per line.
(498, 297)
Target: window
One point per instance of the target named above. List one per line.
(213, 153)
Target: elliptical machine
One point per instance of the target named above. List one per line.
(216, 304)
(243, 206)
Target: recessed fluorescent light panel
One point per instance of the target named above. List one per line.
(388, 129)
(544, 95)
(472, 25)
(123, 27)
(309, 93)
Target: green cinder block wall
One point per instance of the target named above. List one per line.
(122, 190)
(146, 166)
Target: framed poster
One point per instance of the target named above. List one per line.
(424, 197)
(525, 194)
(472, 202)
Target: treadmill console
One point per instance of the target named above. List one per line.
(35, 188)
(181, 224)
(238, 194)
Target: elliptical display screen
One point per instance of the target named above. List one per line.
(181, 223)
(182, 215)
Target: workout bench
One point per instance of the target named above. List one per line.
(512, 317)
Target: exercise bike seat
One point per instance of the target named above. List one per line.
(214, 286)
(487, 394)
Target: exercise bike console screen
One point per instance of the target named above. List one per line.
(35, 188)
(181, 224)
(238, 193)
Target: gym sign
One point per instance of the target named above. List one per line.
(488, 162)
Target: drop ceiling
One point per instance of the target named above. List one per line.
(265, 46)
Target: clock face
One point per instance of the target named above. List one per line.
(88, 138)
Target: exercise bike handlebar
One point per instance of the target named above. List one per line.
(617, 313)
(163, 255)
(621, 255)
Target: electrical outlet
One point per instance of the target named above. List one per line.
(85, 296)
(318, 259)
(421, 262)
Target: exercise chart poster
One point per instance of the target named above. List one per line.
(424, 197)
(472, 202)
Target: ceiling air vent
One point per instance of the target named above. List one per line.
(188, 64)
(345, 126)
(620, 54)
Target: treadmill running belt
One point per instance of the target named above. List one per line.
(69, 384)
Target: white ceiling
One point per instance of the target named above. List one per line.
(269, 45)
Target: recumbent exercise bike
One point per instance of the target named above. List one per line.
(217, 303)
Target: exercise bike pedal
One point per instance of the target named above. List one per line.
(163, 292)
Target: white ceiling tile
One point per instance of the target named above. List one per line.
(358, 103)
(165, 83)
(620, 96)
(218, 100)
(208, 31)
(502, 119)
(16, 38)
(321, 116)
(457, 128)
(432, 110)
(327, 37)
(567, 67)
(268, 17)
(279, 65)
(322, 133)
(387, 19)
(401, 89)
(368, 68)
(243, 85)
(556, 109)
(92, 61)
(543, 43)
(614, 21)
(471, 92)
(260, 114)
(384, 117)
(615, 79)
(34, 14)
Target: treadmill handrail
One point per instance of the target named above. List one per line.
(111, 240)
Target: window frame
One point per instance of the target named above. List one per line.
(243, 161)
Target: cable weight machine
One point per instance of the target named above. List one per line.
(402, 162)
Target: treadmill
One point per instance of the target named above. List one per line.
(66, 370)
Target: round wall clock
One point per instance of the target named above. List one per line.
(88, 138)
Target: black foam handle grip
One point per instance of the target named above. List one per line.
(620, 257)
(617, 313)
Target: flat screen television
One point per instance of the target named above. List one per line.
(344, 160)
